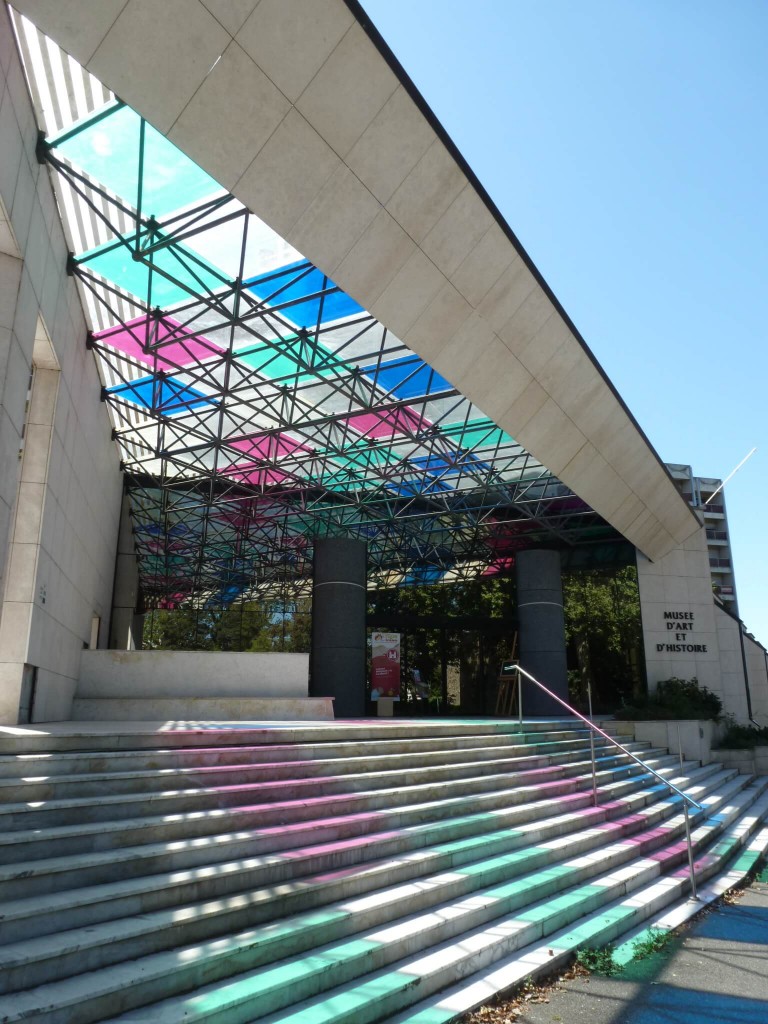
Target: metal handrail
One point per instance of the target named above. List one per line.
(596, 729)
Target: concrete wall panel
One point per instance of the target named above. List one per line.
(270, 32)
(58, 502)
(679, 613)
(168, 674)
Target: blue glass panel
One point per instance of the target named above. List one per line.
(450, 465)
(165, 395)
(335, 306)
(411, 488)
(407, 378)
(424, 574)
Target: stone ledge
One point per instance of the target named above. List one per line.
(749, 762)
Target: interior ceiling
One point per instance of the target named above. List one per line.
(256, 405)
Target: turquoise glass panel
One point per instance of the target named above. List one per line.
(109, 152)
(364, 458)
(117, 265)
(476, 433)
(277, 365)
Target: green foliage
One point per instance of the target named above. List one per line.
(675, 699)
(743, 737)
(251, 626)
(604, 636)
(650, 942)
(598, 961)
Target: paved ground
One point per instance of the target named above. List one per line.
(714, 972)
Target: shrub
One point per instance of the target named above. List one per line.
(598, 961)
(743, 737)
(676, 699)
(650, 942)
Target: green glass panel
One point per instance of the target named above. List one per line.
(480, 433)
(116, 264)
(288, 363)
(109, 152)
(365, 458)
(342, 480)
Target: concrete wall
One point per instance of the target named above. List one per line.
(168, 674)
(696, 738)
(732, 665)
(59, 503)
(757, 673)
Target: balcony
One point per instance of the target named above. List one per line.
(720, 564)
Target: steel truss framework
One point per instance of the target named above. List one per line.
(257, 406)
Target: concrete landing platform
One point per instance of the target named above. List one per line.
(125, 734)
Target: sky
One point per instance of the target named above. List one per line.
(625, 143)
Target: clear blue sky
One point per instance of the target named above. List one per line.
(626, 143)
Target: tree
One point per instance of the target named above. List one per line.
(603, 634)
(274, 625)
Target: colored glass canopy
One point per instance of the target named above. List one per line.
(257, 405)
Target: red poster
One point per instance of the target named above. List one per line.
(385, 665)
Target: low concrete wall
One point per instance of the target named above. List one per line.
(191, 674)
(203, 709)
(696, 737)
(748, 762)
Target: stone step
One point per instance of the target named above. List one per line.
(149, 780)
(625, 919)
(422, 849)
(112, 761)
(57, 875)
(392, 785)
(573, 888)
(383, 996)
(84, 736)
(488, 792)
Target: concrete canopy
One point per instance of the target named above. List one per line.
(302, 113)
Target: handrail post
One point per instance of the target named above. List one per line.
(519, 699)
(592, 747)
(691, 869)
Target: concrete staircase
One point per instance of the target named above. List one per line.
(339, 872)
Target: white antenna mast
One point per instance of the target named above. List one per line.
(730, 475)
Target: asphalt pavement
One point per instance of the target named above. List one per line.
(715, 971)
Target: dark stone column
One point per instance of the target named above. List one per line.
(541, 629)
(337, 662)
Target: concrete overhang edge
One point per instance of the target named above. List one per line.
(427, 301)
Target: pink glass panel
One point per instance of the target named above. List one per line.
(247, 474)
(187, 350)
(271, 447)
(386, 424)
